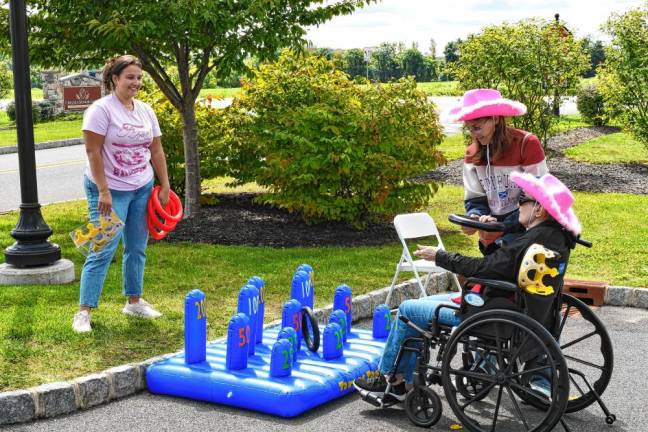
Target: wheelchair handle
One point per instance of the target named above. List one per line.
(583, 242)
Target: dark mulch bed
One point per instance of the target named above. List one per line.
(236, 220)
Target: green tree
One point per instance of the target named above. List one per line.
(331, 149)
(354, 63)
(384, 61)
(6, 80)
(623, 80)
(596, 53)
(532, 61)
(194, 36)
(413, 64)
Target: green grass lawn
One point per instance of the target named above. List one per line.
(219, 92)
(37, 344)
(613, 148)
(36, 94)
(440, 88)
(54, 130)
(453, 146)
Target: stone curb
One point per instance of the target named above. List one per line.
(45, 145)
(58, 398)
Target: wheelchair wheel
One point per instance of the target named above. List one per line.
(468, 387)
(587, 347)
(423, 406)
(507, 340)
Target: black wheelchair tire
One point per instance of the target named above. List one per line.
(468, 222)
(524, 328)
(585, 400)
(311, 341)
(423, 406)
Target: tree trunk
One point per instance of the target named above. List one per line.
(192, 160)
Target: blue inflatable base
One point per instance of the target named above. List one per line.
(313, 381)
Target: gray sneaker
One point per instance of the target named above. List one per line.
(141, 309)
(81, 322)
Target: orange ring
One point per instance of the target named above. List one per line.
(161, 211)
(157, 235)
(154, 217)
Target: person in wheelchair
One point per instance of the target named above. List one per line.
(551, 232)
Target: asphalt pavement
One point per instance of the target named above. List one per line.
(626, 397)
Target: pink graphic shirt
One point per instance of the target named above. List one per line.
(128, 136)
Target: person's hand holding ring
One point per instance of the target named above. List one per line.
(468, 230)
(163, 195)
(105, 202)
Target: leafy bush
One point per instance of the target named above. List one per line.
(591, 106)
(329, 148)
(532, 61)
(6, 80)
(623, 80)
(36, 112)
(210, 136)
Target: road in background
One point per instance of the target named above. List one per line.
(59, 172)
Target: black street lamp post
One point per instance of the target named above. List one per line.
(31, 232)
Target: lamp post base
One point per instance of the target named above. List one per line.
(61, 272)
(32, 249)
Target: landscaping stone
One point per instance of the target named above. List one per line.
(641, 298)
(16, 407)
(123, 380)
(362, 307)
(619, 296)
(55, 399)
(92, 390)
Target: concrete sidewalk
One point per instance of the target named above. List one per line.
(45, 145)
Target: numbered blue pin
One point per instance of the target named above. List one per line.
(339, 317)
(260, 284)
(290, 334)
(281, 358)
(238, 338)
(381, 321)
(301, 289)
(248, 303)
(311, 280)
(291, 317)
(342, 299)
(333, 341)
(195, 329)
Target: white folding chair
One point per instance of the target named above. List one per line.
(412, 226)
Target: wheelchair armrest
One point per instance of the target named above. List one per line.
(493, 283)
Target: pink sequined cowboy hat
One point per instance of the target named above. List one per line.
(479, 103)
(553, 196)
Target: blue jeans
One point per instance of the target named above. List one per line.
(131, 207)
(420, 312)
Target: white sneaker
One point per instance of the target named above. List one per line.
(141, 309)
(81, 322)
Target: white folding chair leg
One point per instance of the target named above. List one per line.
(453, 279)
(420, 284)
(393, 284)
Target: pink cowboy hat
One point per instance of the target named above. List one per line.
(485, 103)
(552, 195)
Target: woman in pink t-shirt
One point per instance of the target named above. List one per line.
(122, 139)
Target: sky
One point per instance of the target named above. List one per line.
(418, 21)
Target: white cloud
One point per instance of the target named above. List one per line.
(419, 20)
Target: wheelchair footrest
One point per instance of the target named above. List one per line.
(377, 399)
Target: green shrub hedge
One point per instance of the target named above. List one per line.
(327, 147)
(591, 105)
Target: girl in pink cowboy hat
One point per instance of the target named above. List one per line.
(495, 151)
(551, 226)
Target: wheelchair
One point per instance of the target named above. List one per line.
(499, 368)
